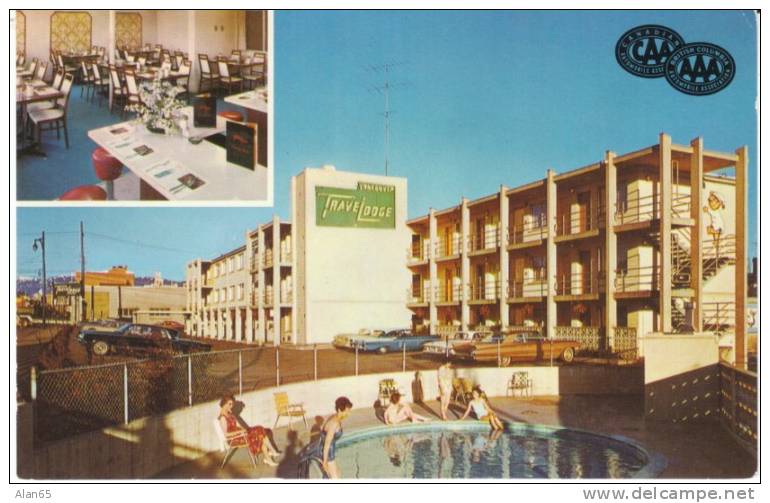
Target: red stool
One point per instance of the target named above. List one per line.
(107, 169)
(231, 115)
(84, 193)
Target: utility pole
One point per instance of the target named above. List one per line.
(82, 276)
(41, 240)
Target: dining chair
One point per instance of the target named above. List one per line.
(132, 89)
(184, 80)
(206, 76)
(42, 69)
(101, 84)
(118, 91)
(142, 61)
(46, 105)
(54, 118)
(226, 79)
(255, 75)
(33, 67)
(86, 78)
(67, 69)
(178, 60)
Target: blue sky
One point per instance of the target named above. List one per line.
(487, 98)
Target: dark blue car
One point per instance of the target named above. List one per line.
(396, 340)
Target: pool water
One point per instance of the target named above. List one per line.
(470, 450)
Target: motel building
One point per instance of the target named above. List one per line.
(307, 281)
(648, 241)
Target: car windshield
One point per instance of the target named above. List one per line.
(396, 333)
(489, 337)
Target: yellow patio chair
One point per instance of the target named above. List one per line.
(284, 408)
(387, 388)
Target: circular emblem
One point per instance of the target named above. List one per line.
(700, 69)
(644, 50)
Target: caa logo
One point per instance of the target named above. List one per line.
(700, 69)
(643, 51)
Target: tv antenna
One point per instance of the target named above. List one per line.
(384, 89)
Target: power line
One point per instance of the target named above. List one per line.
(138, 243)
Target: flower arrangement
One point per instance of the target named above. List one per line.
(158, 106)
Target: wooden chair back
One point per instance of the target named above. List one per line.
(66, 87)
(281, 402)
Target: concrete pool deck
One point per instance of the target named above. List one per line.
(692, 450)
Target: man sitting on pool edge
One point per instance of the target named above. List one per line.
(398, 413)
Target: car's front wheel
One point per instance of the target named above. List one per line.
(505, 361)
(568, 355)
(101, 348)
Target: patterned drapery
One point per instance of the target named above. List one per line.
(71, 31)
(128, 30)
(21, 33)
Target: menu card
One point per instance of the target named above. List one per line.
(241, 144)
(205, 110)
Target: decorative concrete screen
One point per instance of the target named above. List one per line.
(21, 33)
(71, 31)
(370, 205)
(128, 30)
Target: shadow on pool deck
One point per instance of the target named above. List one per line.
(695, 450)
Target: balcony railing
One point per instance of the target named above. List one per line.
(576, 222)
(535, 230)
(681, 205)
(578, 284)
(419, 295)
(528, 288)
(286, 256)
(739, 405)
(267, 297)
(591, 339)
(625, 343)
(267, 258)
(418, 252)
(637, 279)
(287, 297)
(453, 294)
(254, 263)
(485, 290)
(647, 208)
(488, 240)
(448, 248)
(718, 316)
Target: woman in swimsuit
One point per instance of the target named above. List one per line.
(398, 413)
(482, 410)
(323, 449)
(445, 387)
(254, 437)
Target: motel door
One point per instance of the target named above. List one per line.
(417, 246)
(416, 286)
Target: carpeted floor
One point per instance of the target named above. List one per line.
(46, 178)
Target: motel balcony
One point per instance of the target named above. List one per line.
(636, 281)
(519, 290)
(267, 258)
(487, 241)
(448, 249)
(577, 224)
(418, 253)
(530, 233)
(416, 297)
(254, 262)
(579, 286)
(719, 316)
(482, 291)
(643, 209)
(591, 339)
(287, 297)
(267, 297)
(286, 257)
(451, 295)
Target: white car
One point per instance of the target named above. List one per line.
(444, 346)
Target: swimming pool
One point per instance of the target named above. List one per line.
(462, 450)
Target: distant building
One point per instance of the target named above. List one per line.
(118, 275)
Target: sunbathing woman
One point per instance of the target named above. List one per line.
(482, 410)
(237, 436)
(398, 413)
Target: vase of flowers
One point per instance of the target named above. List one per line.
(159, 107)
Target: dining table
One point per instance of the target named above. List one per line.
(25, 95)
(182, 168)
(255, 105)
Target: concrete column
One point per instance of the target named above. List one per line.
(741, 253)
(276, 280)
(229, 334)
(238, 332)
(220, 324)
(610, 247)
(696, 238)
(665, 194)
(432, 270)
(294, 258)
(550, 254)
(504, 263)
(261, 288)
(465, 264)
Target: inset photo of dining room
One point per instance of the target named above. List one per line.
(143, 105)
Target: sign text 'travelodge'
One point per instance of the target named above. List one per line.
(370, 205)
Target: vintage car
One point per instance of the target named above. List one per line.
(395, 340)
(349, 341)
(447, 343)
(520, 347)
(133, 337)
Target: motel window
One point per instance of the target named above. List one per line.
(240, 291)
(128, 30)
(230, 264)
(229, 293)
(70, 31)
(239, 262)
